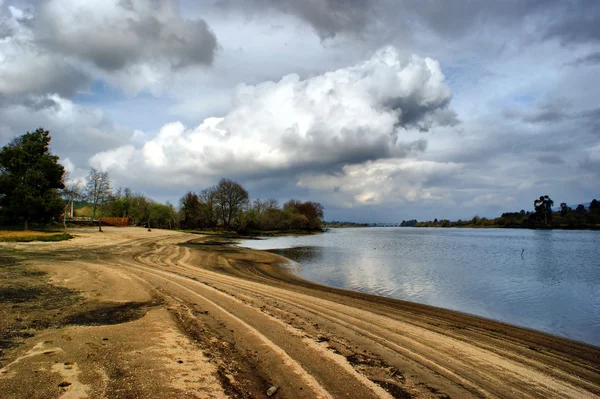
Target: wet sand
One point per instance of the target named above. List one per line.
(167, 314)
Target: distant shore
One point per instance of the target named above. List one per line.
(565, 227)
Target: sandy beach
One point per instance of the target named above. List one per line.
(163, 314)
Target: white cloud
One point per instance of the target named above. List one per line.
(383, 181)
(116, 159)
(346, 116)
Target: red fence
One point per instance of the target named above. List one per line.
(117, 222)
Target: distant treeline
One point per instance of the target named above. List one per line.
(338, 224)
(225, 206)
(541, 217)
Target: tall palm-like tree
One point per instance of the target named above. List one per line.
(543, 206)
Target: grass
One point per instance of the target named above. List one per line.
(29, 236)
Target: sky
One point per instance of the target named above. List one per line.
(382, 110)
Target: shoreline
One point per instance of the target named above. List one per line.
(233, 322)
(288, 265)
(296, 280)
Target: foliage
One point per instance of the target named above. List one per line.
(124, 203)
(542, 217)
(543, 209)
(408, 223)
(231, 199)
(226, 206)
(161, 215)
(30, 179)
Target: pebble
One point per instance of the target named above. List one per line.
(271, 391)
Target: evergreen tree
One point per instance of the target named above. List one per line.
(30, 179)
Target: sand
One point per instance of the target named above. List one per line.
(172, 315)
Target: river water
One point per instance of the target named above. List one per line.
(552, 286)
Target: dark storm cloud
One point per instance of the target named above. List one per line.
(456, 17)
(591, 165)
(125, 33)
(546, 113)
(26, 70)
(41, 103)
(577, 22)
(327, 17)
(554, 112)
(551, 159)
(24, 78)
(77, 132)
(590, 59)
(573, 21)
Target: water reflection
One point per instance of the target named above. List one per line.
(554, 287)
(301, 254)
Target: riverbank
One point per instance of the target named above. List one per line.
(512, 226)
(168, 314)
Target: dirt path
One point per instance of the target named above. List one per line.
(208, 320)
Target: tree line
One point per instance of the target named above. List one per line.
(33, 189)
(542, 216)
(227, 205)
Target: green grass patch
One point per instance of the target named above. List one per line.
(31, 236)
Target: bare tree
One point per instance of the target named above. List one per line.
(97, 188)
(207, 199)
(70, 193)
(231, 198)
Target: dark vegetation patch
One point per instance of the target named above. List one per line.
(396, 391)
(109, 314)
(36, 237)
(435, 391)
(18, 294)
(29, 303)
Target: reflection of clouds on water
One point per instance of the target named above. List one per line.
(371, 276)
(301, 254)
(555, 287)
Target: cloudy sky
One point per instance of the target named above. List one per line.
(382, 110)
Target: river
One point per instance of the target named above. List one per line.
(552, 286)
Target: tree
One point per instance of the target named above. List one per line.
(312, 213)
(208, 214)
(231, 198)
(564, 209)
(159, 215)
(190, 209)
(70, 193)
(30, 179)
(580, 209)
(97, 188)
(543, 206)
